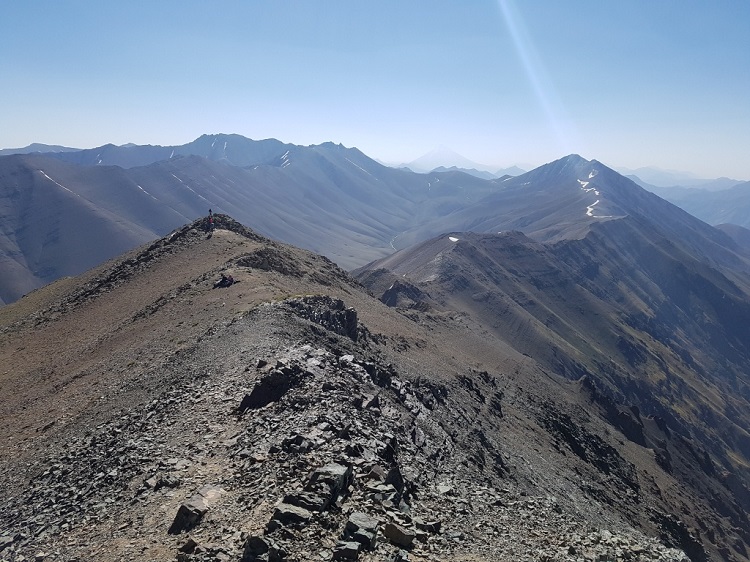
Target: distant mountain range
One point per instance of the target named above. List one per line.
(722, 201)
(563, 331)
(65, 210)
(37, 147)
(658, 177)
(444, 159)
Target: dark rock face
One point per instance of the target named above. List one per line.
(192, 511)
(591, 448)
(330, 313)
(262, 549)
(286, 514)
(188, 516)
(627, 420)
(323, 488)
(329, 482)
(347, 550)
(676, 533)
(405, 295)
(363, 529)
(307, 500)
(399, 535)
(271, 388)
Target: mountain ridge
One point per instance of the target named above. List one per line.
(288, 197)
(477, 443)
(329, 198)
(630, 337)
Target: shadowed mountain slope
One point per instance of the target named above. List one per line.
(728, 205)
(327, 198)
(60, 220)
(737, 233)
(292, 416)
(648, 325)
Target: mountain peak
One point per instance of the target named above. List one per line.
(568, 166)
(574, 158)
(446, 157)
(571, 160)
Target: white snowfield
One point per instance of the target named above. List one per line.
(590, 211)
(59, 184)
(285, 158)
(452, 238)
(590, 208)
(587, 189)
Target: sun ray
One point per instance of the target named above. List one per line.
(561, 126)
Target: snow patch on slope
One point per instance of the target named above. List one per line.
(587, 189)
(360, 167)
(146, 192)
(190, 188)
(59, 184)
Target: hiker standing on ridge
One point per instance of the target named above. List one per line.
(210, 221)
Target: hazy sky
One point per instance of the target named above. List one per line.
(630, 83)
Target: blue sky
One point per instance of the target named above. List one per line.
(631, 83)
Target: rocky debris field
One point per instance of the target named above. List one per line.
(284, 435)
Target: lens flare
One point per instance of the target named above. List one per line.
(560, 125)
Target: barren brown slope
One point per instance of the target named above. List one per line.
(125, 313)
(138, 387)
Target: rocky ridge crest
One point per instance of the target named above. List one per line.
(292, 416)
(328, 454)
